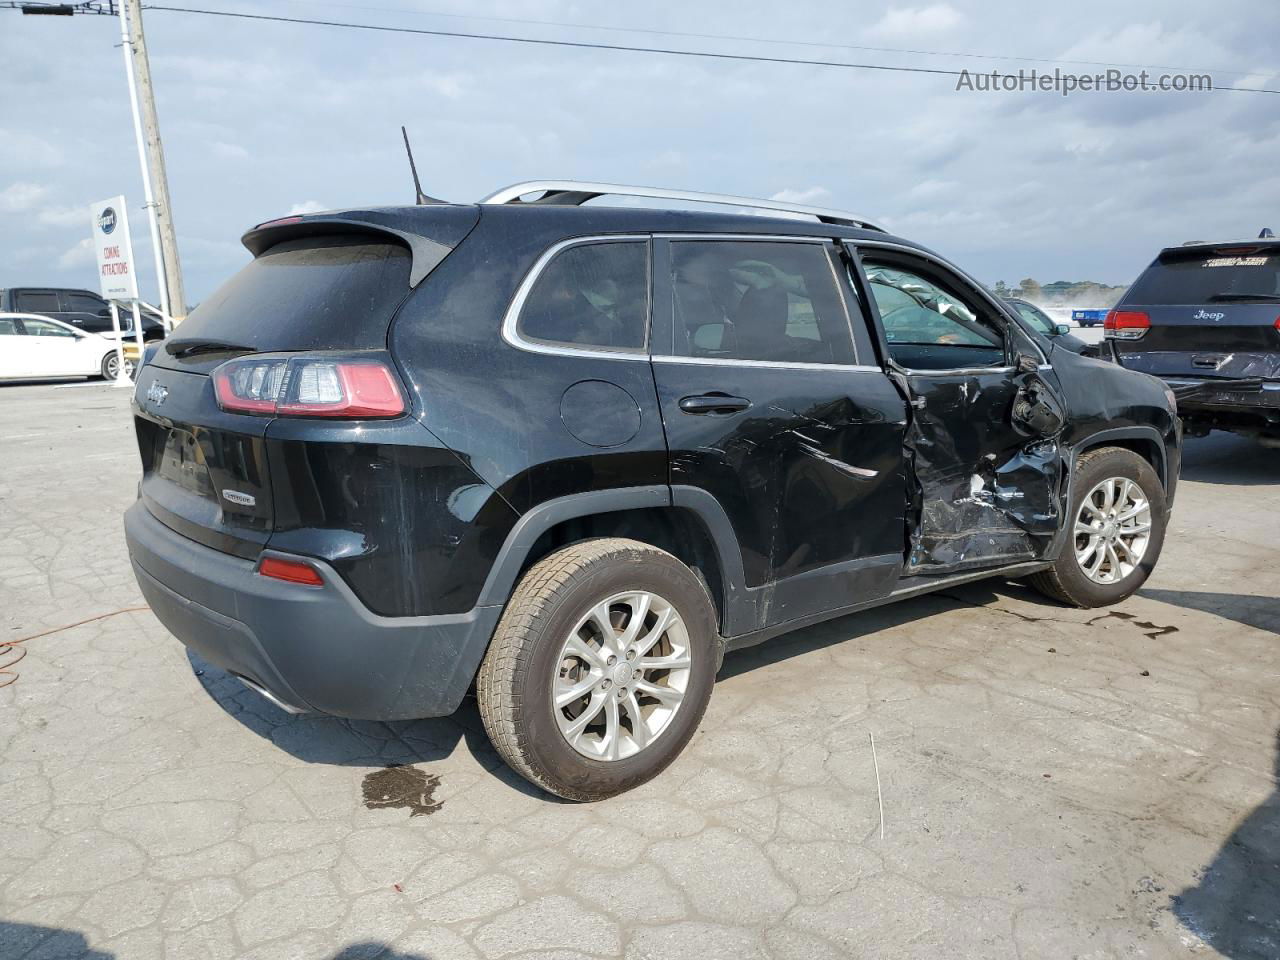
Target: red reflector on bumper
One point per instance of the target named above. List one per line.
(291, 570)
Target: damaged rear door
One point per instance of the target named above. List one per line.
(791, 428)
(983, 457)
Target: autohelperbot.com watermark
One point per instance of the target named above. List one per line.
(1065, 84)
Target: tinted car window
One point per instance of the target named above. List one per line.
(1037, 319)
(84, 303)
(593, 295)
(37, 302)
(8, 327)
(317, 293)
(1206, 276)
(757, 300)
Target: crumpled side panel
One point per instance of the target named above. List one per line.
(1004, 510)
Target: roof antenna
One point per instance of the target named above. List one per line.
(1266, 234)
(420, 198)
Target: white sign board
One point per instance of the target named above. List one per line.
(115, 253)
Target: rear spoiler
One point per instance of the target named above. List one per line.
(430, 233)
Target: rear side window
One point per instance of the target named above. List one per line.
(1209, 277)
(316, 293)
(758, 300)
(591, 295)
(36, 301)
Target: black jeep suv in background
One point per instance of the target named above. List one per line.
(1205, 317)
(571, 454)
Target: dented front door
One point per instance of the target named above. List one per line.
(985, 468)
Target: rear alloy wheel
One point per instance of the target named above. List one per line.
(1118, 517)
(600, 669)
(111, 366)
(624, 669)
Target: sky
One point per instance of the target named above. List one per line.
(263, 119)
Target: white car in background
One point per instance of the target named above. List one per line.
(37, 348)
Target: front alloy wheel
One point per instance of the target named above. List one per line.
(1117, 521)
(1112, 530)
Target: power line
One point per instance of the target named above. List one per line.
(768, 40)
(586, 45)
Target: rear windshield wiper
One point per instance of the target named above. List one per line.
(191, 347)
(1244, 297)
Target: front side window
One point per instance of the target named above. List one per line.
(757, 300)
(592, 295)
(927, 326)
(43, 328)
(84, 303)
(8, 327)
(1034, 316)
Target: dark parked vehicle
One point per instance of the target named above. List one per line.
(571, 454)
(83, 309)
(1059, 333)
(1204, 318)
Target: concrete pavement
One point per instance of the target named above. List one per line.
(1054, 783)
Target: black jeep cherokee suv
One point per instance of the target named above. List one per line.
(571, 454)
(1205, 317)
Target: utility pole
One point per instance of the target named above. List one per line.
(155, 181)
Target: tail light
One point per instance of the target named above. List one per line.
(308, 386)
(291, 571)
(1126, 324)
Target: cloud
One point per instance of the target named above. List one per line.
(229, 151)
(306, 206)
(78, 256)
(64, 217)
(909, 22)
(21, 197)
(809, 195)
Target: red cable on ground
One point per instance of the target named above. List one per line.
(7, 676)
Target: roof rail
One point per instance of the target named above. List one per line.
(576, 192)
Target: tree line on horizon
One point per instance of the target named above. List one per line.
(1062, 293)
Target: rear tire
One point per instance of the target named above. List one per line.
(584, 713)
(1073, 578)
(109, 366)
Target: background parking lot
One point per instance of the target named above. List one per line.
(1045, 782)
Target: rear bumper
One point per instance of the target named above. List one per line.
(313, 648)
(1215, 395)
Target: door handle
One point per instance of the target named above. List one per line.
(714, 403)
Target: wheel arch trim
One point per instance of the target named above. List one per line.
(533, 523)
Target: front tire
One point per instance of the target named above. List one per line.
(1117, 523)
(600, 668)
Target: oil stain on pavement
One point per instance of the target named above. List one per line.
(401, 786)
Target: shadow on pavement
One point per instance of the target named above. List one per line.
(1227, 458)
(25, 939)
(314, 738)
(1235, 907)
(1253, 611)
(373, 950)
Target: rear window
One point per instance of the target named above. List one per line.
(316, 293)
(37, 301)
(1206, 276)
(591, 295)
